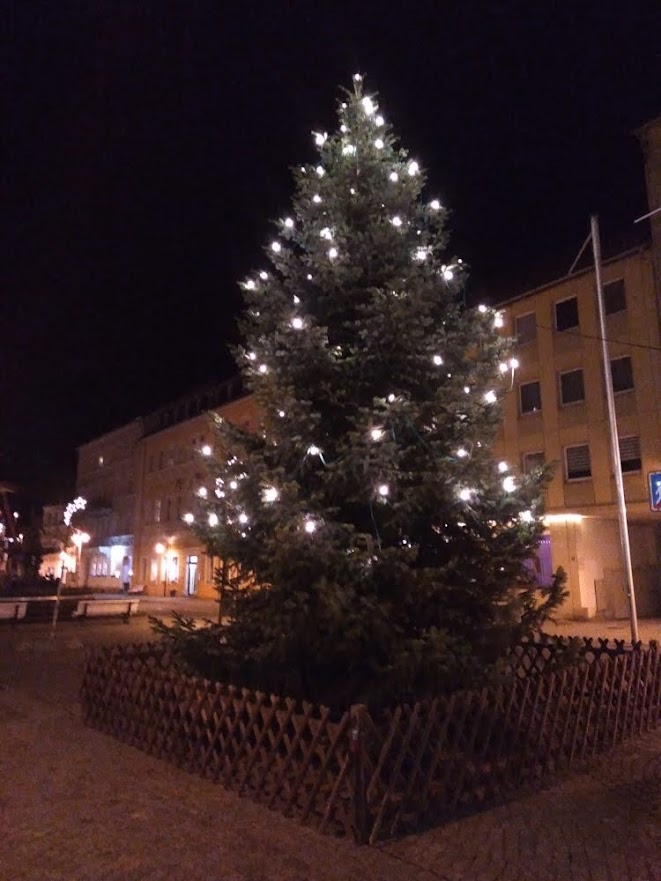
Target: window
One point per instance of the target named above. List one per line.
(157, 510)
(577, 462)
(168, 510)
(526, 328)
(566, 314)
(572, 390)
(530, 397)
(533, 460)
(615, 299)
(622, 373)
(630, 454)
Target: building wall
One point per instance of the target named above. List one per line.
(589, 550)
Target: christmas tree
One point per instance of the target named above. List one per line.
(372, 546)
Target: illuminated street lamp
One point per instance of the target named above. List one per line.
(161, 550)
(79, 539)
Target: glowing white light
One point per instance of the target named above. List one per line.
(379, 144)
(437, 360)
(206, 450)
(202, 492)
(394, 177)
(383, 490)
(526, 516)
(310, 526)
(188, 518)
(332, 253)
(326, 233)
(357, 78)
(320, 170)
(263, 368)
(435, 205)
(490, 397)
(251, 356)
(276, 246)
(508, 484)
(514, 363)
(343, 129)
(243, 518)
(376, 434)
(462, 453)
(482, 308)
(270, 494)
(309, 276)
(297, 323)
(465, 495)
(78, 504)
(348, 149)
(250, 285)
(467, 389)
(503, 467)
(391, 398)
(498, 320)
(289, 223)
(313, 450)
(563, 518)
(213, 519)
(503, 367)
(421, 254)
(281, 414)
(296, 300)
(448, 275)
(414, 168)
(320, 138)
(368, 106)
(233, 484)
(316, 198)
(263, 275)
(379, 120)
(396, 220)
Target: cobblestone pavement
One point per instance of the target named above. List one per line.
(77, 805)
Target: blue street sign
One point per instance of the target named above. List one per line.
(655, 490)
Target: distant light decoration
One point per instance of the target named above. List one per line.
(357, 78)
(413, 168)
(310, 526)
(509, 484)
(368, 106)
(503, 467)
(263, 369)
(343, 129)
(376, 434)
(202, 492)
(270, 495)
(213, 520)
(206, 450)
(320, 170)
(296, 300)
(352, 190)
(379, 144)
(326, 233)
(514, 363)
(383, 490)
(243, 517)
(281, 414)
(297, 323)
(435, 205)
(251, 356)
(465, 494)
(448, 274)
(332, 253)
(379, 121)
(421, 254)
(467, 390)
(490, 397)
(316, 198)
(188, 518)
(394, 177)
(313, 450)
(348, 150)
(309, 276)
(498, 320)
(391, 398)
(250, 285)
(320, 138)
(526, 517)
(396, 220)
(276, 246)
(264, 275)
(289, 223)
(438, 361)
(78, 504)
(482, 308)
(503, 367)
(233, 484)
(462, 453)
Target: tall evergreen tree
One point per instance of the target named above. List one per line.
(372, 537)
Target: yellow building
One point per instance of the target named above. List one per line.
(557, 412)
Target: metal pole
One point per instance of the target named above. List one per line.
(612, 424)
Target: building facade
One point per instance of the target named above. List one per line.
(557, 413)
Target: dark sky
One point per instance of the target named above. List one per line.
(146, 146)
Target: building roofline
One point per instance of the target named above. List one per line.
(107, 434)
(574, 275)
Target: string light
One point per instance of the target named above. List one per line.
(514, 363)
(448, 275)
(213, 519)
(368, 106)
(467, 389)
(348, 149)
(234, 484)
(462, 453)
(281, 414)
(421, 254)
(251, 356)
(326, 233)
(482, 308)
(396, 220)
(263, 275)
(310, 526)
(414, 168)
(343, 129)
(320, 138)
(435, 205)
(206, 450)
(250, 285)
(376, 434)
(503, 367)
(465, 495)
(438, 361)
(509, 485)
(332, 253)
(379, 144)
(263, 368)
(391, 398)
(498, 320)
(243, 517)
(276, 246)
(297, 323)
(313, 450)
(357, 78)
(490, 397)
(202, 492)
(270, 494)
(394, 177)
(503, 467)
(316, 198)
(296, 300)
(188, 518)
(383, 490)
(320, 170)
(379, 121)
(526, 516)
(289, 223)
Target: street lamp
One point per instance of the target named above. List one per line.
(79, 539)
(161, 550)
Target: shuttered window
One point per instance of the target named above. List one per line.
(630, 454)
(577, 462)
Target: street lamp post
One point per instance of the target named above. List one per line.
(161, 550)
(79, 539)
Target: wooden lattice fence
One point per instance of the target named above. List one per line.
(380, 776)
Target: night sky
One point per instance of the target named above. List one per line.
(146, 146)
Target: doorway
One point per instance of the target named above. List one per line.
(191, 575)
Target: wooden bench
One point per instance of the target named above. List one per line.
(13, 610)
(97, 608)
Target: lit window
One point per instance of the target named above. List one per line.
(566, 314)
(630, 454)
(577, 462)
(530, 396)
(572, 390)
(615, 299)
(532, 461)
(526, 328)
(622, 373)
